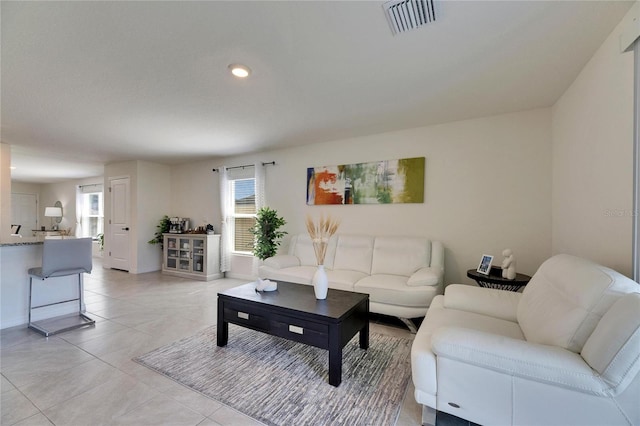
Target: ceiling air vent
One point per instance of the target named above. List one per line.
(405, 15)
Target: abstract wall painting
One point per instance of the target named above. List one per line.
(378, 182)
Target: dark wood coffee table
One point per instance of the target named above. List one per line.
(293, 312)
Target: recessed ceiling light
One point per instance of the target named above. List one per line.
(239, 70)
(12, 167)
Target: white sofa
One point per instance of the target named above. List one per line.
(566, 351)
(401, 274)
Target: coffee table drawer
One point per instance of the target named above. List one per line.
(251, 318)
(308, 332)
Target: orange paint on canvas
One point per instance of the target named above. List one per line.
(322, 195)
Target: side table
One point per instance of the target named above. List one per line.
(495, 280)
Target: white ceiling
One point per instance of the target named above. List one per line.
(86, 83)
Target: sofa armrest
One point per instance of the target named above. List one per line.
(485, 301)
(437, 255)
(518, 358)
(281, 261)
(425, 276)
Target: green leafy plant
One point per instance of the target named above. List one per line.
(265, 231)
(162, 228)
(101, 241)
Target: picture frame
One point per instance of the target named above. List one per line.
(375, 182)
(485, 264)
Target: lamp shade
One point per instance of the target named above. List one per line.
(53, 211)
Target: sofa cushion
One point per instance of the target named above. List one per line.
(393, 289)
(513, 357)
(423, 359)
(353, 253)
(282, 261)
(301, 246)
(425, 276)
(400, 255)
(566, 298)
(294, 274)
(484, 301)
(344, 280)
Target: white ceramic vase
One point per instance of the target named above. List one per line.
(320, 283)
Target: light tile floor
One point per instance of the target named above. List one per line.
(86, 376)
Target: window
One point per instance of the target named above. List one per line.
(92, 214)
(243, 194)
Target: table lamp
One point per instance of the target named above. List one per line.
(53, 212)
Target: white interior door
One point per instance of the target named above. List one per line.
(24, 212)
(119, 224)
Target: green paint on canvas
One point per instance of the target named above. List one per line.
(413, 170)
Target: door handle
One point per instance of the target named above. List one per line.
(125, 229)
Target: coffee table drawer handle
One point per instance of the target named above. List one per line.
(243, 315)
(297, 330)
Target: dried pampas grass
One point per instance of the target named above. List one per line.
(320, 232)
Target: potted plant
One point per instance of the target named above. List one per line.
(265, 231)
(101, 240)
(162, 228)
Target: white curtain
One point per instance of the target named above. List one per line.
(226, 204)
(259, 174)
(81, 192)
(79, 209)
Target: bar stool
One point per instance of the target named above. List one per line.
(62, 258)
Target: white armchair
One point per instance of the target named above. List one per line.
(565, 351)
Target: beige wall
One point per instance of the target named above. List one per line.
(26, 188)
(592, 127)
(194, 194)
(488, 187)
(5, 193)
(153, 203)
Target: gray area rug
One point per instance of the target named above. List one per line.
(279, 382)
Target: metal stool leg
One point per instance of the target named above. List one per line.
(80, 293)
(30, 303)
(45, 329)
(81, 306)
(30, 324)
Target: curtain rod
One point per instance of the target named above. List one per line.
(273, 163)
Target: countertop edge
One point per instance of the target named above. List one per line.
(23, 243)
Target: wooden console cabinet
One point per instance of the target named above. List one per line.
(195, 256)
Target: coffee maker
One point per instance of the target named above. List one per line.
(178, 225)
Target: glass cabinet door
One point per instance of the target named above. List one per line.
(185, 254)
(198, 255)
(172, 253)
